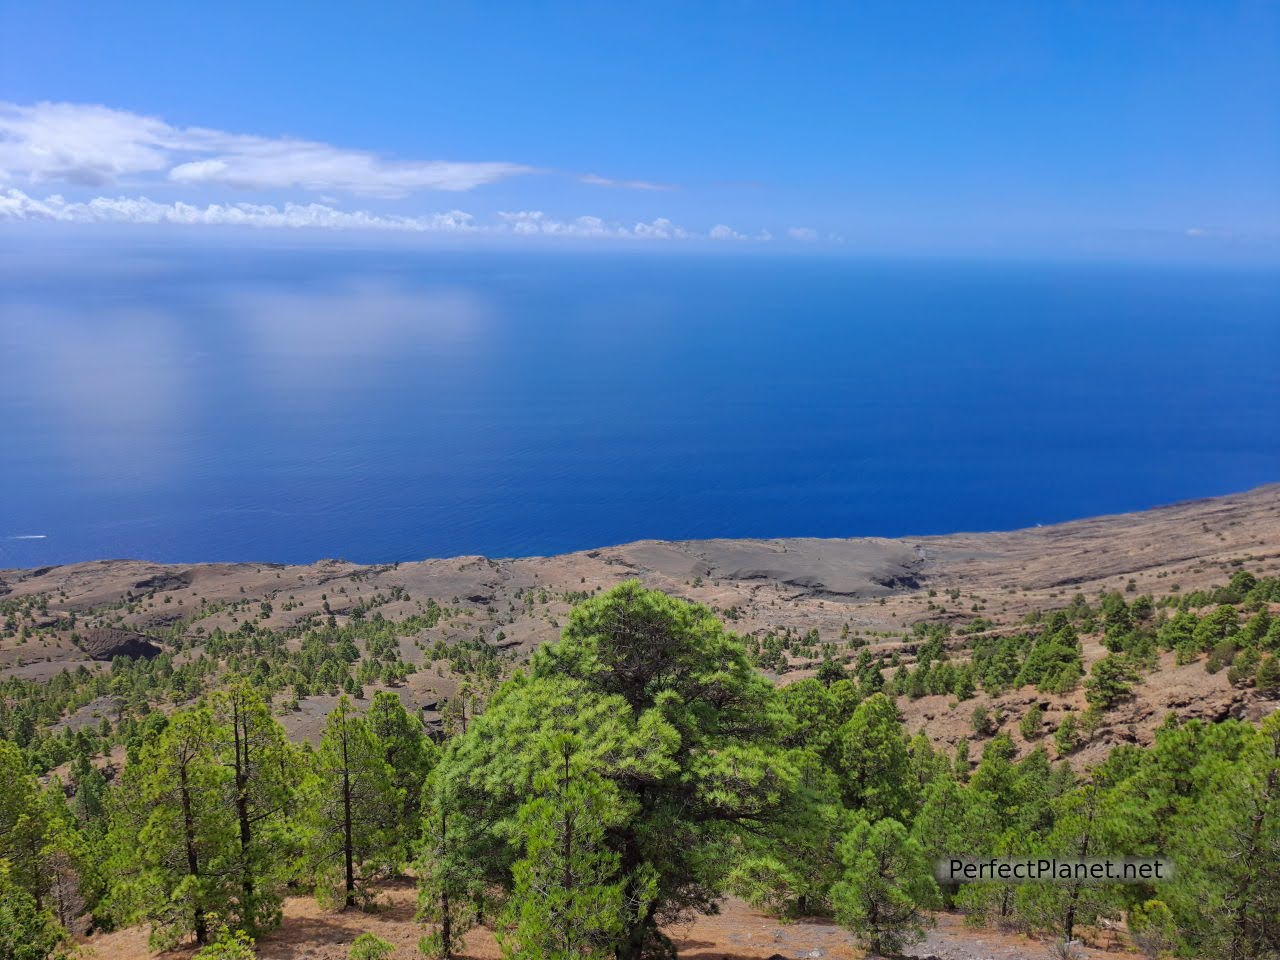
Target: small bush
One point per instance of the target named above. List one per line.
(229, 946)
(369, 947)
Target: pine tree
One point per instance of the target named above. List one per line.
(988, 902)
(70, 873)
(567, 897)
(788, 871)
(23, 824)
(1067, 736)
(173, 836)
(352, 808)
(1032, 721)
(962, 761)
(1085, 828)
(1110, 681)
(1267, 677)
(264, 771)
(953, 821)
(668, 708)
(450, 884)
(875, 764)
(887, 887)
(1216, 627)
(1227, 891)
(26, 931)
(410, 755)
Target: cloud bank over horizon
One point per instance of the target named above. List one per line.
(89, 147)
(16, 206)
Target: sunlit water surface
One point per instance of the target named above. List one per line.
(293, 405)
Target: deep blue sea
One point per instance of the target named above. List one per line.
(289, 405)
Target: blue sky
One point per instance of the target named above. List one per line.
(1105, 129)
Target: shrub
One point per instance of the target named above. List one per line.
(981, 720)
(369, 947)
(229, 946)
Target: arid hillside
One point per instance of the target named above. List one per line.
(857, 594)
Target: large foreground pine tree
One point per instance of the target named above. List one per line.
(663, 706)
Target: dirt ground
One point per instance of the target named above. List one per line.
(737, 933)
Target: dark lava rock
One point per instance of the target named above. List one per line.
(164, 581)
(104, 643)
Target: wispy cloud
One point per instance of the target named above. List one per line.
(598, 181)
(803, 234)
(97, 146)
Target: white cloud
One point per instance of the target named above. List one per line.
(80, 144)
(16, 205)
(96, 145)
(529, 222)
(660, 229)
(87, 145)
(722, 231)
(803, 234)
(598, 181)
(534, 222)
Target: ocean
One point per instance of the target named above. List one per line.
(288, 405)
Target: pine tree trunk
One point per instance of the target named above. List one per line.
(347, 843)
(242, 812)
(37, 887)
(567, 848)
(446, 926)
(631, 945)
(193, 859)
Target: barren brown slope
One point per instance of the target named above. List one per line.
(869, 587)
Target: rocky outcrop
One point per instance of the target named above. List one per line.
(106, 643)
